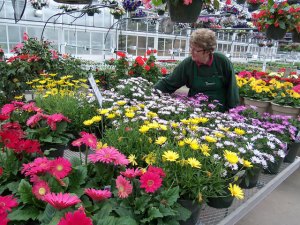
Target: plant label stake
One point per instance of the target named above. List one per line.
(95, 89)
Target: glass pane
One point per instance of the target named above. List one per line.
(150, 42)
(3, 32)
(142, 26)
(70, 40)
(152, 27)
(132, 25)
(141, 45)
(161, 46)
(96, 42)
(34, 32)
(109, 41)
(122, 42)
(168, 46)
(83, 42)
(131, 45)
(14, 34)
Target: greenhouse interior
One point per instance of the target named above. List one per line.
(149, 112)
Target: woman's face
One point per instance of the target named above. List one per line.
(199, 55)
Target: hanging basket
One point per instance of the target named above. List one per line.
(38, 13)
(295, 36)
(77, 2)
(275, 33)
(184, 13)
(90, 13)
(117, 17)
(253, 7)
(240, 2)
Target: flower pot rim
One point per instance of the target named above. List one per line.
(257, 99)
(287, 106)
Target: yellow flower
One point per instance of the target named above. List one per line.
(143, 129)
(160, 140)
(121, 103)
(54, 91)
(163, 127)
(132, 159)
(185, 121)
(205, 149)
(141, 105)
(203, 120)
(170, 156)
(247, 163)
(231, 157)
(236, 191)
(150, 158)
(129, 114)
(194, 163)
(194, 121)
(151, 114)
(199, 197)
(194, 145)
(210, 139)
(103, 111)
(20, 97)
(219, 134)
(239, 131)
(111, 116)
(100, 145)
(88, 122)
(96, 118)
(188, 140)
(174, 125)
(193, 128)
(181, 143)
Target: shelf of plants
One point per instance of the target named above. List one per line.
(267, 183)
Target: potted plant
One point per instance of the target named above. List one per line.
(117, 12)
(275, 19)
(254, 4)
(91, 10)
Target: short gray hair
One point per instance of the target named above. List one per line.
(204, 38)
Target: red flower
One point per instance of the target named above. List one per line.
(7, 109)
(60, 200)
(150, 181)
(131, 173)
(124, 187)
(78, 217)
(38, 166)
(1, 171)
(60, 167)
(54, 118)
(148, 52)
(147, 68)
(3, 218)
(121, 54)
(97, 195)
(156, 170)
(164, 71)
(7, 203)
(25, 36)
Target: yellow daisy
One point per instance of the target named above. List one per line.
(170, 156)
(231, 157)
(236, 191)
(194, 163)
(161, 140)
(132, 159)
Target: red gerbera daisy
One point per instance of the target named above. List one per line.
(124, 187)
(60, 200)
(3, 218)
(38, 166)
(78, 217)
(156, 170)
(40, 189)
(97, 195)
(1, 171)
(60, 167)
(7, 202)
(150, 181)
(7, 109)
(3, 117)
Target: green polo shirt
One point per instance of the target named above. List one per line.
(216, 80)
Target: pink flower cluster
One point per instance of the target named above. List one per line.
(6, 204)
(109, 155)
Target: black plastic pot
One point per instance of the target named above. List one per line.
(57, 150)
(184, 13)
(293, 149)
(250, 178)
(195, 209)
(275, 33)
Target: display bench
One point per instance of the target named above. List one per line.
(267, 183)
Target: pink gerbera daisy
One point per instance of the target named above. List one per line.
(78, 217)
(54, 118)
(33, 120)
(97, 195)
(124, 187)
(60, 200)
(131, 173)
(7, 203)
(38, 166)
(121, 160)
(150, 181)
(40, 189)
(105, 155)
(60, 167)
(89, 139)
(3, 218)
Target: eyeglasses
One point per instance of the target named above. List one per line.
(197, 51)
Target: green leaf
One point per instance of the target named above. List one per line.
(142, 203)
(183, 213)
(106, 209)
(153, 213)
(25, 192)
(24, 214)
(166, 211)
(170, 195)
(156, 2)
(126, 221)
(13, 186)
(107, 220)
(49, 213)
